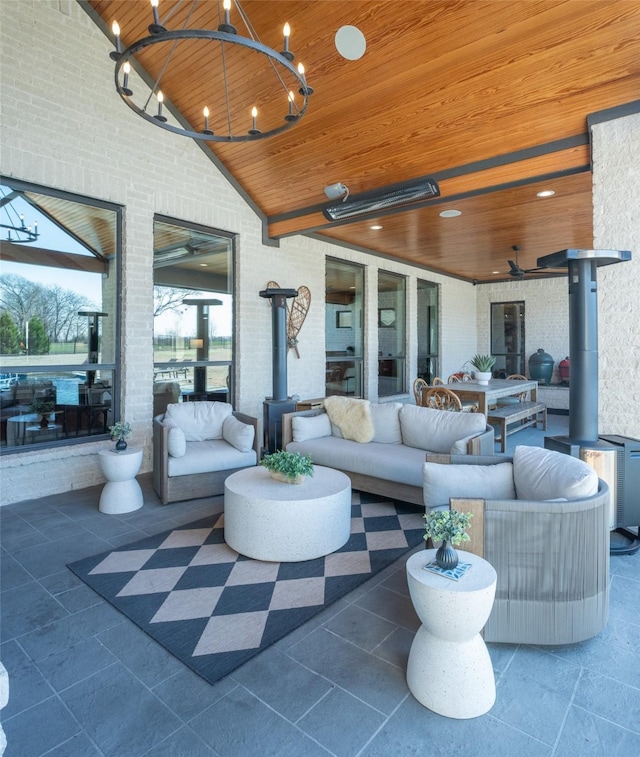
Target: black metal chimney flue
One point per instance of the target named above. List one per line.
(583, 341)
(275, 406)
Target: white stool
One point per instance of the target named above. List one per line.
(121, 493)
(449, 669)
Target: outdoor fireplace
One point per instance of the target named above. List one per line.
(274, 407)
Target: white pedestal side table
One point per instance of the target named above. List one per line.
(449, 669)
(277, 522)
(121, 493)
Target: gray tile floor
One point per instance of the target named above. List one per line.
(86, 681)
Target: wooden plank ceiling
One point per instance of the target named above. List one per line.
(490, 97)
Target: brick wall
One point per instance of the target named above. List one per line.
(616, 226)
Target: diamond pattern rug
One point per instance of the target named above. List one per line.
(215, 609)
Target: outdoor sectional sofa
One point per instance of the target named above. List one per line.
(398, 437)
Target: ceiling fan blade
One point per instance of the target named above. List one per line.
(514, 269)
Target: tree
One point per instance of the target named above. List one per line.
(167, 298)
(38, 340)
(9, 335)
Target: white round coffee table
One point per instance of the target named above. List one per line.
(279, 522)
(121, 493)
(449, 669)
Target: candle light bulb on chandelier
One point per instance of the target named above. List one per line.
(290, 116)
(306, 89)
(156, 27)
(125, 81)
(159, 115)
(254, 115)
(205, 113)
(227, 26)
(115, 30)
(286, 53)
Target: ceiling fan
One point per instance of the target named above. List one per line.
(514, 267)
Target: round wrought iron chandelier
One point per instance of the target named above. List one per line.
(249, 91)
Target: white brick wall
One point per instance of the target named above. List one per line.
(616, 226)
(546, 313)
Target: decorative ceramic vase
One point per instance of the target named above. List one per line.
(446, 556)
(277, 476)
(482, 377)
(121, 445)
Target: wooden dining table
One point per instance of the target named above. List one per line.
(485, 395)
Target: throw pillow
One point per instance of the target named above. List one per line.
(310, 427)
(238, 434)
(353, 417)
(200, 421)
(542, 474)
(176, 442)
(386, 422)
(441, 482)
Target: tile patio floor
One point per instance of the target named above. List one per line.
(85, 681)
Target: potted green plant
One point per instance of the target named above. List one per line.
(43, 407)
(449, 527)
(483, 365)
(290, 467)
(120, 431)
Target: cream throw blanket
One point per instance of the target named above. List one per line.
(352, 417)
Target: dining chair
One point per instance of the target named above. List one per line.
(418, 385)
(467, 405)
(522, 397)
(441, 398)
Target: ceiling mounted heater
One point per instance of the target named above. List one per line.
(379, 200)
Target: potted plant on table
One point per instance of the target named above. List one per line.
(44, 408)
(120, 431)
(289, 467)
(449, 527)
(483, 365)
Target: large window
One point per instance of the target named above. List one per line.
(58, 316)
(193, 313)
(391, 334)
(427, 330)
(343, 328)
(507, 338)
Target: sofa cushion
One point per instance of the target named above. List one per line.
(441, 482)
(386, 423)
(209, 456)
(391, 462)
(310, 427)
(542, 474)
(437, 430)
(352, 416)
(237, 433)
(176, 441)
(199, 420)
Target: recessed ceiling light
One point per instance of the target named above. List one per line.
(450, 213)
(546, 193)
(204, 265)
(350, 42)
(495, 271)
(376, 227)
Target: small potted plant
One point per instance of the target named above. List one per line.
(289, 467)
(120, 431)
(43, 408)
(483, 365)
(449, 527)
